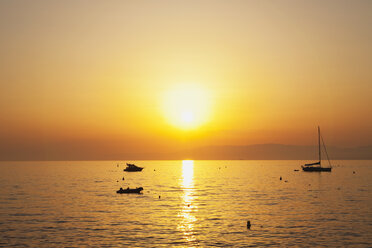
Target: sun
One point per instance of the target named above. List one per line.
(187, 117)
(187, 106)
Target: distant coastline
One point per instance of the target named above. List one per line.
(249, 152)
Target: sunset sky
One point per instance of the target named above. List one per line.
(132, 77)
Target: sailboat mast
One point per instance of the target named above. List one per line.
(319, 145)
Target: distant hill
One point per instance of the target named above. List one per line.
(250, 152)
(275, 151)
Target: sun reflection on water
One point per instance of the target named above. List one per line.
(188, 174)
(186, 224)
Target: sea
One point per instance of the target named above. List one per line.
(200, 203)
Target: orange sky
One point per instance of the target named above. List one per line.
(94, 75)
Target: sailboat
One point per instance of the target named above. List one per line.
(317, 167)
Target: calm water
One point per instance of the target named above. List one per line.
(205, 203)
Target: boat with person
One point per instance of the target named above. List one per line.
(317, 166)
(130, 191)
(133, 167)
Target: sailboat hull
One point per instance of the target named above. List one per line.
(316, 169)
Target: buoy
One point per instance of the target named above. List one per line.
(280, 178)
(248, 224)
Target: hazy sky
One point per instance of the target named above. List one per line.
(88, 77)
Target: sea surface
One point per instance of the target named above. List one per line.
(185, 204)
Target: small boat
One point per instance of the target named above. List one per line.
(317, 166)
(133, 167)
(130, 191)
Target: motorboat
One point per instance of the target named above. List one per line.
(130, 191)
(133, 167)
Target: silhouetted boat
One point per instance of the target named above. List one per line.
(317, 166)
(129, 191)
(133, 167)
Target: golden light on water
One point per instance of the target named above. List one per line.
(186, 163)
(188, 175)
(186, 224)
